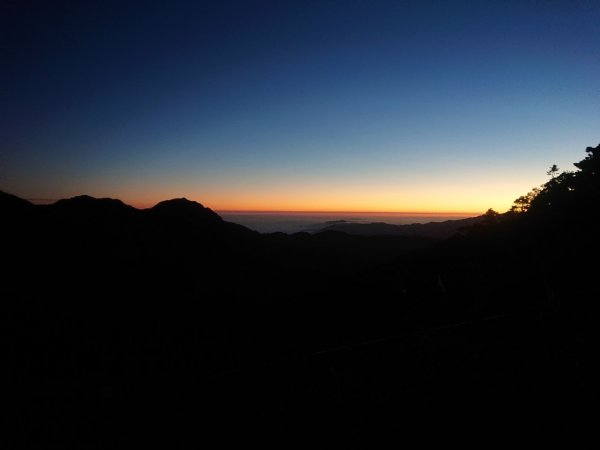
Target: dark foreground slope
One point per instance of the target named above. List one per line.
(168, 326)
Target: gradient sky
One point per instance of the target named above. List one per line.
(336, 106)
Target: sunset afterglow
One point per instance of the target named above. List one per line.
(351, 106)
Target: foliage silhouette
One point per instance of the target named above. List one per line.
(553, 171)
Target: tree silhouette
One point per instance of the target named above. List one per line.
(490, 217)
(523, 203)
(573, 191)
(590, 165)
(553, 171)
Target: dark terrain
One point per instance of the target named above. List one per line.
(127, 327)
(436, 230)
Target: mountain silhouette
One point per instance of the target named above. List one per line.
(184, 208)
(144, 326)
(84, 205)
(12, 204)
(437, 230)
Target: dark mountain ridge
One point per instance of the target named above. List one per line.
(11, 203)
(438, 230)
(189, 226)
(184, 208)
(84, 203)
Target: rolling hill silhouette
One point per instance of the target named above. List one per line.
(85, 205)
(437, 230)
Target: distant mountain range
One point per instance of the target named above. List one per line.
(108, 210)
(437, 230)
(181, 209)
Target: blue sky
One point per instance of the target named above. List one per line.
(365, 105)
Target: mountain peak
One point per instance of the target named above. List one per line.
(182, 207)
(86, 203)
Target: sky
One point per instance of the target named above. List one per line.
(414, 106)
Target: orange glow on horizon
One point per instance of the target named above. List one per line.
(290, 207)
(449, 201)
(459, 198)
(322, 207)
(348, 206)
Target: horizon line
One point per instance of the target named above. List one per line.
(42, 201)
(273, 211)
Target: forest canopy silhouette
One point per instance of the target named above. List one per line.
(569, 191)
